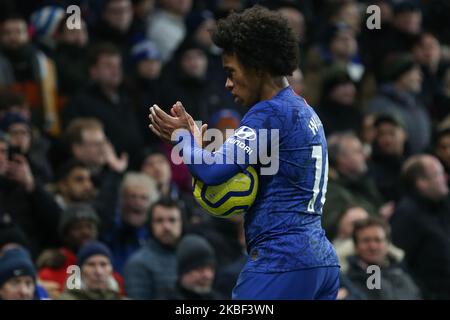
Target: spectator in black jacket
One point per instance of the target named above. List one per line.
(421, 225)
(105, 101)
(371, 237)
(25, 202)
(70, 58)
(196, 270)
(389, 153)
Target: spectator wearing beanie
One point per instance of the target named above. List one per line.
(97, 281)
(44, 22)
(78, 225)
(196, 266)
(399, 97)
(17, 275)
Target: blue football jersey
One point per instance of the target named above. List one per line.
(283, 227)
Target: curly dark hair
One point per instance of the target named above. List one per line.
(261, 40)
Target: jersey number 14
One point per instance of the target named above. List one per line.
(317, 154)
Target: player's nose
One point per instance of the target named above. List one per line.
(229, 84)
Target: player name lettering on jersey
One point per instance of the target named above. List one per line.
(314, 124)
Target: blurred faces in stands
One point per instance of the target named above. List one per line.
(390, 135)
(166, 223)
(343, 45)
(87, 141)
(147, 58)
(350, 156)
(138, 193)
(194, 63)
(371, 239)
(426, 176)
(296, 21)
(76, 37)
(427, 51)
(76, 185)
(13, 34)
(348, 219)
(407, 17)
(157, 166)
(106, 68)
(118, 14)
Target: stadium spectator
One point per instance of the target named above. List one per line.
(343, 242)
(116, 26)
(398, 96)
(427, 53)
(188, 82)
(371, 238)
(349, 181)
(22, 141)
(421, 225)
(196, 267)
(153, 269)
(97, 281)
(106, 101)
(126, 229)
(74, 184)
(145, 82)
(17, 275)
(337, 109)
(71, 59)
(78, 225)
(25, 202)
(27, 70)
(388, 156)
(199, 27)
(166, 26)
(44, 23)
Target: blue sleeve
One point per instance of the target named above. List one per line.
(210, 167)
(244, 148)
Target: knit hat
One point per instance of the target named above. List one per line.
(145, 50)
(46, 20)
(395, 67)
(91, 249)
(196, 18)
(11, 118)
(75, 213)
(15, 262)
(194, 251)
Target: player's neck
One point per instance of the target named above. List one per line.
(272, 86)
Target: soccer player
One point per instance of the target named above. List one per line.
(289, 256)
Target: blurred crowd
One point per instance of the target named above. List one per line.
(93, 206)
